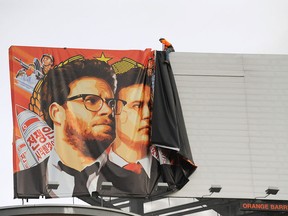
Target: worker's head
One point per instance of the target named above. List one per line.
(161, 39)
(133, 124)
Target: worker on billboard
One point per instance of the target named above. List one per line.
(77, 100)
(131, 167)
(167, 47)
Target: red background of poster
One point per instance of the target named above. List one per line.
(26, 54)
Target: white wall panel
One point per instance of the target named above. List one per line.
(236, 113)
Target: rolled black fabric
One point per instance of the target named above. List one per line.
(168, 126)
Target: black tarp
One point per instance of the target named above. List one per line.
(168, 126)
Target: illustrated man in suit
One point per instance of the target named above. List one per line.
(77, 101)
(131, 167)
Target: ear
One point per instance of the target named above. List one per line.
(57, 113)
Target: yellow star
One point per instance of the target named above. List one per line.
(103, 58)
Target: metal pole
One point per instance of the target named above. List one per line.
(137, 206)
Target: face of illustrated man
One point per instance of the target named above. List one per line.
(89, 132)
(133, 124)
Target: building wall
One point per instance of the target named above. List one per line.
(236, 113)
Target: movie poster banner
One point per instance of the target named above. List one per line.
(82, 124)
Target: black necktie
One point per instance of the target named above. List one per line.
(80, 178)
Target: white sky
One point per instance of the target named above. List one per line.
(210, 26)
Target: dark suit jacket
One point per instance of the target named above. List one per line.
(30, 183)
(126, 182)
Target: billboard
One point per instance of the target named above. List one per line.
(84, 119)
(235, 109)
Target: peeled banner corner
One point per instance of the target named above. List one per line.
(168, 127)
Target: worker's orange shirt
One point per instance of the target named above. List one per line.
(166, 43)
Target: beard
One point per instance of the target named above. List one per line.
(87, 142)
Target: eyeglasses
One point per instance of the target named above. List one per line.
(94, 103)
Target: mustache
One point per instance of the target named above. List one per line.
(104, 121)
(147, 126)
